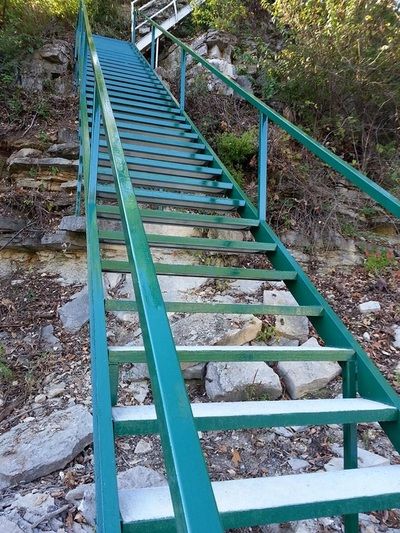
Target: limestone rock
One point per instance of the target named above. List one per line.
(293, 327)
(36, 448)
(241, 381)
(73, 223)
(369, 307)
(221, 330)
(366, 459)
(304, 377)
(396, 334)
(69, 150)
(10, 224)
(8, 526)
(75, 313)
(142, 447)
(55, 52)
(48, 340)
(135, 478)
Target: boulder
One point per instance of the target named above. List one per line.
(293, 327)
(304, 377)
(241, 381)
(75, 313)
(38, 447)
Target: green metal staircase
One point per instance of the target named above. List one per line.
(140, 153)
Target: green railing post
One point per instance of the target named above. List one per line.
(349, 389)
(133, 24)
(153, 47)
(182, 80)
(262, 166)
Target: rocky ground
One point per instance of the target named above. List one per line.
(46, 391)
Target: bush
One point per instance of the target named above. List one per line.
(220, 14)
(339, 72)
(236, 151)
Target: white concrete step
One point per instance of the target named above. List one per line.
(277, 499)
(142, 419)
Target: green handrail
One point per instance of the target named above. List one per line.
(191, 492)
(375, 191)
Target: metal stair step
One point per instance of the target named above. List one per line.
(164, 152)
(151, 84)
(147, 119)
(240, 309)
(132, 108)
(204, 271)
(131, 94)
(155, 91)
(133, 87)
(177, 218)
(205, 354)
(165, 181)
(225, 416)
(171, 199)
(136, 101)
(159, 141)
(162, 132)
(168, 165)
(249, 502)
(193, 243)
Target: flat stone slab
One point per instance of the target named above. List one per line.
(293, 327)
(75, 313)
(242, 381)
(366, 459)
(304, 377)
(33, 449)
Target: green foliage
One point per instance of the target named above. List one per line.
(267, 333)
(339, 72)
(236, 151)
(378, 260)
(220, 14)
(5, 371)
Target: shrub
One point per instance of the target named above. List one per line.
(236, 151)
(339, 71)
(220, 14)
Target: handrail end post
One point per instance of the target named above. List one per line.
(262, 166)
(182, 81)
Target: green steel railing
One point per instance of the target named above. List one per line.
(375, 191)
(192, 496)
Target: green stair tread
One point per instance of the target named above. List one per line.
(234, 308)
(183, 219)
(205, 354)
(192, 242)
(142, 419)
(203, 271)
